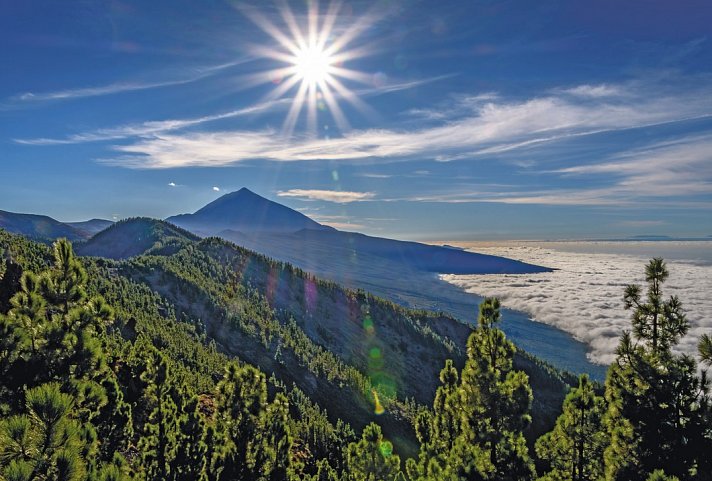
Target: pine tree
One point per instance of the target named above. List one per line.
(657, 403)
(191, 451)
(372, 457)
(438, 429)
(495, 398)
(158, 440)
(325, 472)
(273, 441)
(241, 401)
(659, 323)
(28, 311)
(475, 429)
(574, 449)
(705, 349)
(44, 443)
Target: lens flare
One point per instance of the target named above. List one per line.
(313, 58)
(378, 407)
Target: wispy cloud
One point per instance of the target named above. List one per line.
(172, 184)
(491, 127)
(338, 221)
(216, 189)
(148, 128)
(370, 175)
(337, 196)
(155, 127)
(120, 87)
(594, 91)
(344, 225)
(674, 172)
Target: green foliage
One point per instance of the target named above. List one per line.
(705, 349)
(659, 475)
(475, 428)
(45, 441)
(659, 323)
(657, 403)
(574, 449)
(372, 457)
(158, 441)
(118, 371)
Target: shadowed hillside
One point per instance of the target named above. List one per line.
(39, 227)
(132, 237)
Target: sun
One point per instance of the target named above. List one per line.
(313, 65)
(313, 58)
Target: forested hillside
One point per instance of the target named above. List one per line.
(201, 360)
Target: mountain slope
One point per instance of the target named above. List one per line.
(334, 344)
(334, 244)
(38, 227)
(132, 237)
(245, 211)
(91, 227)
(251, 220)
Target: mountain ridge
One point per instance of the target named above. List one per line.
(323, 242)
(244, 210)
(135, 236)
(39, 227)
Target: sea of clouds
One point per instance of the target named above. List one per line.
(584, 296)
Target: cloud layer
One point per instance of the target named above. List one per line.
(584, 296)
(337, 196)
(484, 126)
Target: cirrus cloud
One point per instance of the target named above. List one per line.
(337, 196)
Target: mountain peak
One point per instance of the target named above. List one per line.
(245, 211)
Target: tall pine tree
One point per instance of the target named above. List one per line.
(574, 448)
(475, 429)
(657, 403)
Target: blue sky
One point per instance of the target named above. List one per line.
(459, 120)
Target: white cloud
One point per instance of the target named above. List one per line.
(172, 184)
(663, 172)
(595, 91)
(584, 296)
(149, 128)
(490, 127)
(337, 196)
(369, 175)
(156, 127)
(216, 189)
(119, 87)
(338, 222)
(348, 226)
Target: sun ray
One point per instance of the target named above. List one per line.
(351, 97)
(294, 110)
(270, 29)
(311, 109)
(349, 35)
(313, 22)
(314, 62)
(351, 74)
(282, 89)
(341, 122)
(267, 52)
(328, 25)
(291, 22)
